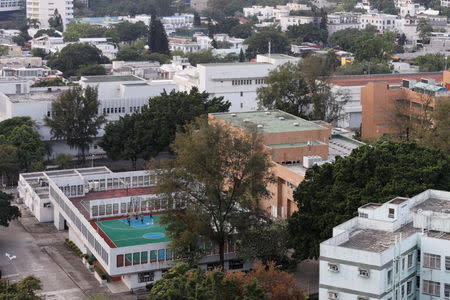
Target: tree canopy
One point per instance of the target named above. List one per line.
(331, 194)
(307, 33)
(430, 62)
(75, 118)
(216, 181)
(73, 56)
(24, 289)
(8, 212)
(157, 38)
(262, 282)
(258, 43)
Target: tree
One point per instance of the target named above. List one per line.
(75, 118)
(384, 6)
(374, 48)
(202, 57)
(24, 289)
(241, 56)
(49, 32)
(265, 243)
(56, 22)
(301, 89)
(157, 38)
(39, 52)
(197, 20)
(90, 70)
(127, 31)
(74, 56)
(361, 68)
(9, 162)
(7, 211)
(161, 58)
(331, 194)
(63, 160)
(168, 112)
(242, 31)
(214, 44)
(4, 51)
(259, 43)
(307, 33)
(76, 30)
(30, 148)
(424, 30)
(222, 191)
(120, 139)
(430, 62)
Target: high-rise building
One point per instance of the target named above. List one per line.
(10, 5)
(43, 10)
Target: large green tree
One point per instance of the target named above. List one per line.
(30, 148)
(302, 90)
(56, 22)
(166, 113)
(258, 43)
(220, 177)
(75, 118)
(24, 289)
(307, 33)
(120, 140)
(8, 212)
(157, 38)
(73, 56)
(331, 194)
(76, 30)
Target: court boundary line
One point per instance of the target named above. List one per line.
(98, 227)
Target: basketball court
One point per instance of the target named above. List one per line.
(137, 232)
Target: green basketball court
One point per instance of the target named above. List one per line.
(137, 232)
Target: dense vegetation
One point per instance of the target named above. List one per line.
(332, 193)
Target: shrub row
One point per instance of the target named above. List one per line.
(100, 273)
(75, 248)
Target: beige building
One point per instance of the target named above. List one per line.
(289, 139)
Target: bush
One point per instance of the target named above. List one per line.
(75, 248)
(100, 273)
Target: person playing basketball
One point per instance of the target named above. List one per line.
(142, 219)
(129, 221)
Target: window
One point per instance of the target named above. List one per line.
(409, 287)
(127, 259)
(120, 260)
(396, 267)
(242, 94)
(146, 276)
(403, 264)
(332, 295)
(418, 255)
(447, 263)
(431, 261)
(403, 291)
(363, 215)
(333, 267)
(418, 282)
(136, 258)
(362, 298)
(242, 105)
(391, 213)
(364, 273)
(431, 288)
(410, 260)
(144, 257)
(235, 264)
(389, 276)
(447, 291)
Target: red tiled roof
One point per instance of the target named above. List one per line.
(397, 79)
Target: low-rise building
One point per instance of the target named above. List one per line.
(287, 21)
(342, 20)
(395, 250)
(382, 22)
(114, 217)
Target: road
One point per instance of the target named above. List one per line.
(40, 250)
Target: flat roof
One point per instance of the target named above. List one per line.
(34, 97)
(376, 240)
(294, 145)
(234, 64)
(361, 80)
(111, 78)
(433, 204)
(272, 121)
(137, 232)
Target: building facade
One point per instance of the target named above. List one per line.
(43, 10)
(395, 250)
(10, 5)
(91, 202)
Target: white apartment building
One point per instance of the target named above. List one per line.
(445, 3)
(287, 21)
(118, 95)
(42, 10)
(396, 250)
(269, 12)
(10, 5)
(79, 200)
(342, 20)
(381, 21)
(236, 82)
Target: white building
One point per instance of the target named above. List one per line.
(236, 82)
(342, 20)
(382, 22)
(10, 5)
(395, 250)
(269, 12)
(42, 10)
(445, 3)
(79, 200)
(143, 69)
(287, 21)
(103, 44)
(118, 95)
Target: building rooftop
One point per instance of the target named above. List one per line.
(234, 64)
(376, 240)
(361, 80)
(110, 78)
(434, 205)
(272, 121)
(295, 145)
(34, 97)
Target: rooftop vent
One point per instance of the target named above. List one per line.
(260, 126)
(246, 120)
(281, 118)
(296, 124)
(233, 115)
(267, 112)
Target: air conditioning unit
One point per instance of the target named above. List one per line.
(408, 83)
(47, 205)
(428, 80)
(333, 295)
